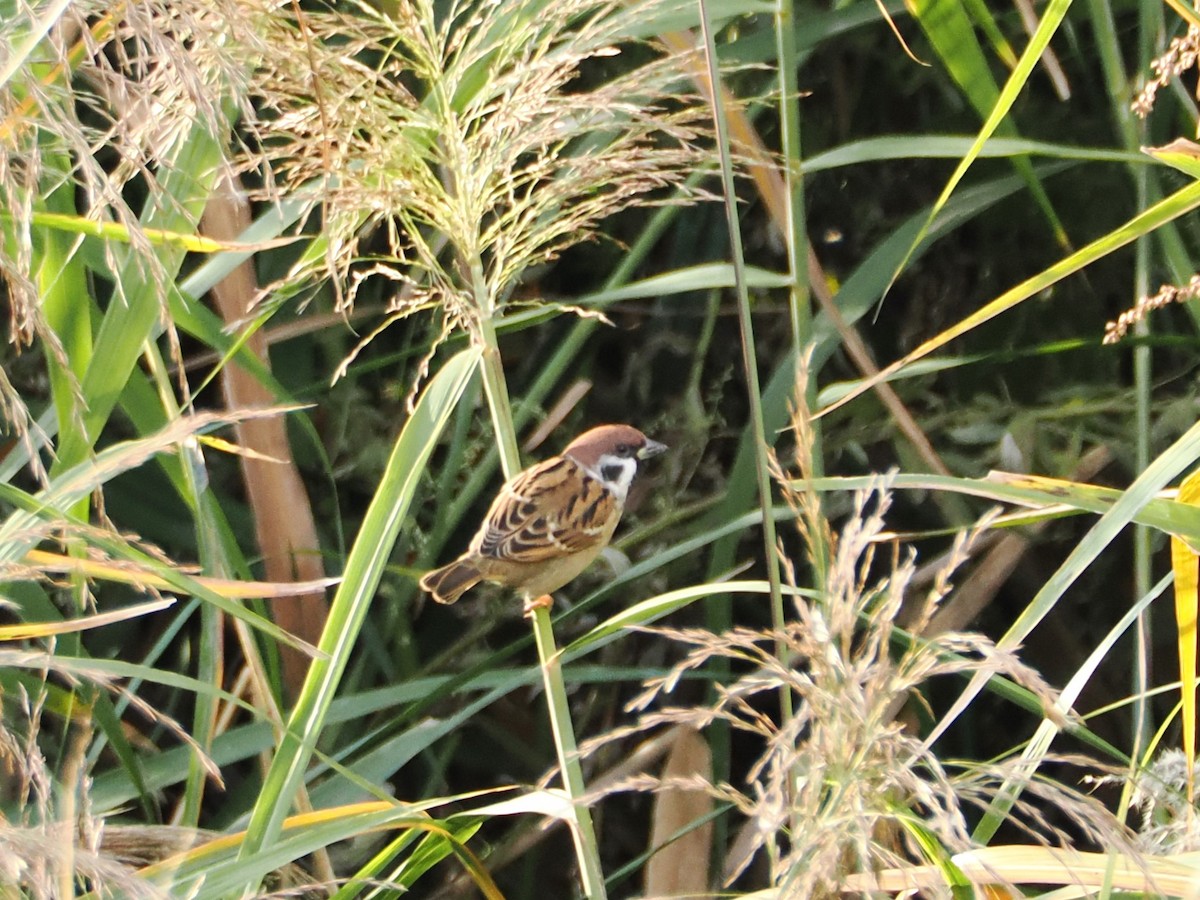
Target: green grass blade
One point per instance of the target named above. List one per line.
(1168, 516)
(1179, 203)
(20, 52)
(364, 567)
(1004, 799)
(653, 609)
(952, 33)
(1051, 19)
(1176, 459)
(950, 146)
(185, 182)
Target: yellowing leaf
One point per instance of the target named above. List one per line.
(1181, 153)
(27, 630)
(1186, 566)
(129, 573)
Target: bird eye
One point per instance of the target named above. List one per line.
(624, 451)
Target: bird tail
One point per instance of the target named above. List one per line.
(450, 582)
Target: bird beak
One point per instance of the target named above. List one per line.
(652, 448)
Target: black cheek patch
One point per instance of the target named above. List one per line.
(612, 472)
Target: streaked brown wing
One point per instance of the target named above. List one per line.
(548, 511)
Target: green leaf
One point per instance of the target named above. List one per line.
(364, 567)
(1181, 153)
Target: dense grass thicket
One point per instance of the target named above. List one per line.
(293, 287)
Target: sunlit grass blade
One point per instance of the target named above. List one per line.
(185, 181)
(1051, 18)
(114, 231)
(217, 868)
(1180, 154)
(18, 532)
(1182, 454)
(432, 849)
(36, 31)
(31, 630)
(364, 567)
(129, 574)
(1179, 203)
(948, 146)
(1048, 497)
(1056, 719)
(1039, 866)
(952, 34)
(649, 611)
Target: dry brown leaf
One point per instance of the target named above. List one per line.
(680, 868)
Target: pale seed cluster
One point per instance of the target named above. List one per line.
(1180, 56)
(1167, 294)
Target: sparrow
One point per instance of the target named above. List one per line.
(549, 522)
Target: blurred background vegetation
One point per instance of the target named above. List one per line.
(287, 285)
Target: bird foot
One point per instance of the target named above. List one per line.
(531, 603)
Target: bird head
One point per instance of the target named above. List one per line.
(610, 453)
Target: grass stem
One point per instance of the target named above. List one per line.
(749, 357)
(583, 832)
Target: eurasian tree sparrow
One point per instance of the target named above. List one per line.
(550, 521)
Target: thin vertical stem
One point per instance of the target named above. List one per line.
(789, 126)
(495, 386)
(583, 832)
(1143, 380)
(1109, 47)
(749, 357)
(799, 252)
